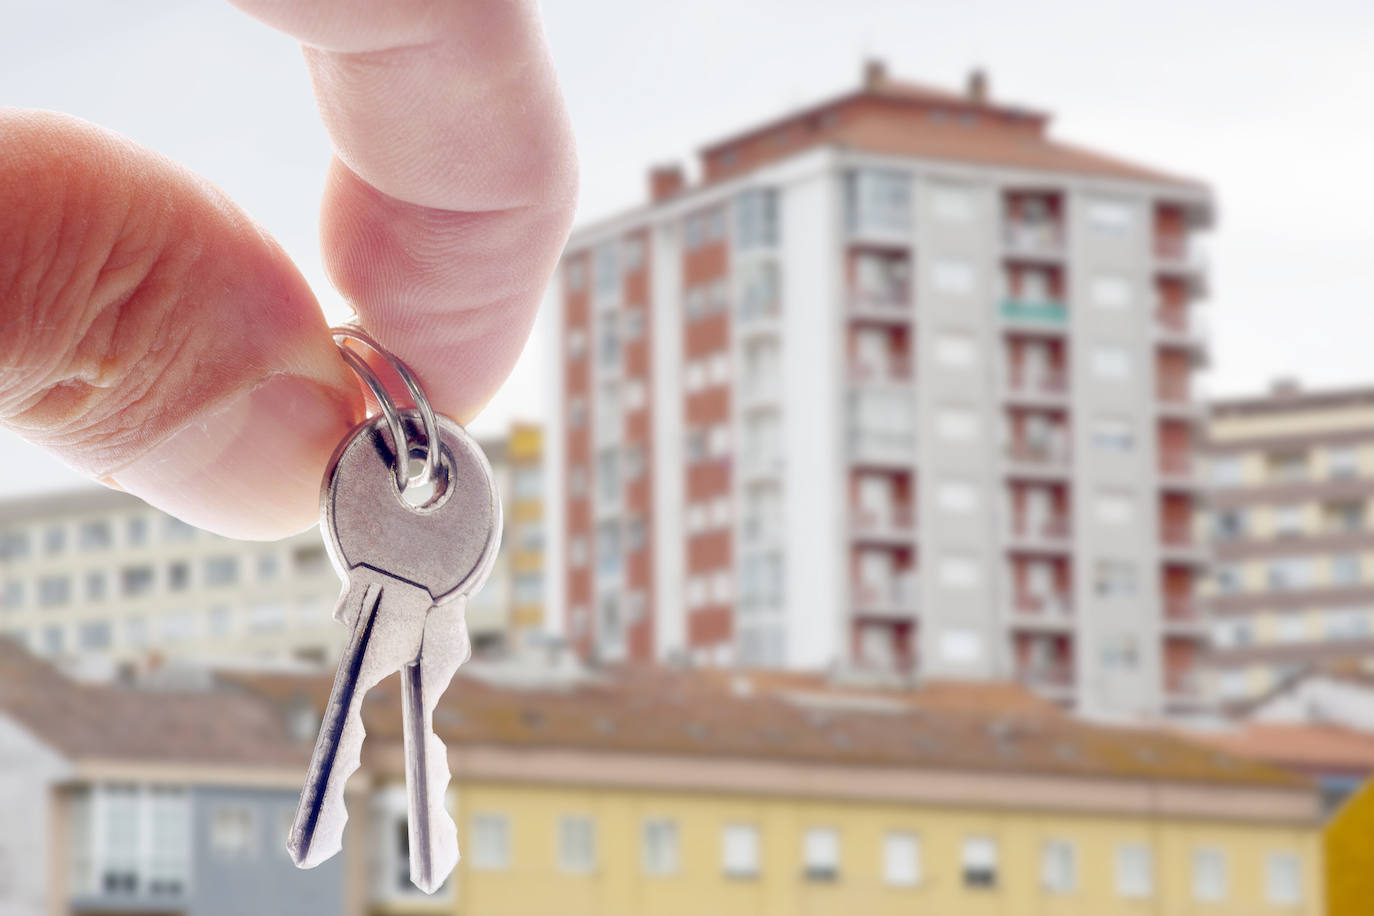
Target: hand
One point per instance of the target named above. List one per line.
(153, 337)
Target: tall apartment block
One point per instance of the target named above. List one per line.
(901, 384)
(95, 574)
(1292, 479)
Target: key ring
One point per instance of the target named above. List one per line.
(400, 443)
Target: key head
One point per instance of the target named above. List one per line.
(446, 547)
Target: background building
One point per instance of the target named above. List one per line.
(902, 384)
(97, 576)
(1291, 479)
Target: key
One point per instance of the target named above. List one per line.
(407, 575)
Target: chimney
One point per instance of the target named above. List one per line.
(665, 181)
(978, 86)
(875, 73)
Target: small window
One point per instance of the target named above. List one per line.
(136, 531)
(1283, 879)
(1114, 508)
(577, 344)
(1134, 871)
(960, 571)
(1289, 573)
(1111, 291)
(957, 496)
(955, 277)
(1113, 434)
(1347, 623)
(1343, 462)
(490, 842)
(576, 272)
(94, 535)
(1228, 579)
(1059, 867)
(821, 854)
(222, 570)
(961, 647)
(1114, 578)
(233, 831)
(980, 863)
(1119, 651)
(901, 859)
(54, 540)
(136, 580)
(952, 203)
(1345, 569)
(632, 252)
(1228, 524)
(1110, 217)
(660, 847)
(576, 843)
(739, 844)
(955, 349)
(633, 323)
(178, 576)
(136, 632)
(956, 424)
(1209, 875)
(1290, 628)
(269, 566)
(93, 635)
(54, 591)
(96, 585)
(1227, 471)
(1111, 362)
(1289, 520)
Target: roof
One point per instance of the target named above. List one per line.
(961, 726)
(125, 723)
(1293, 399)
(1306, 747)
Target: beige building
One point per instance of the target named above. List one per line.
(1292, 476)
(97, 576)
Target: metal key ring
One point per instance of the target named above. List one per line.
(400, 442)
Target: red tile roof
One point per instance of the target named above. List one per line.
(1312, 748)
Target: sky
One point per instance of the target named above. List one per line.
(1272, 103)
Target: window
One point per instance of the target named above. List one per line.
(1228, 524)
(1288, 468)
(1114, 578)
(220, 622)
(12, 596)
(955, 349)
(1343, 462)
(961, 647)
(136, 531)
(576, 271)
(1347, 623)
(1345, 569)
(901, 859)
(174, 529)
(959, 496)
(310, 560)
(1290, 628)
(1059, 867)
(577, 344)
(266, 616)
(718, 368)
(956, 424)
(178, 626)
(756, 213)
(960, 571)
(130, 840)
(1283, 878)
(821, 854)
(490, 841)
(54, 540)
(739, 849)
(93, 635)
(632, 251)
(576, 843)
(980, 862)
(1289, 572)
(660, 847)
(577, 550)
(268, 566)
(1227, 471)
(1228, 579)
(952, 276)
(1344, 516)
(878, 201)
(1112, 434)
(94, 535)
(718, 444)
(1134, 871)
(1119, 651)
(1115, 508)
(13, 544)
(951, 203)
(1110, 217)
(577, 412)
(528, 483)
(53, 639)
(136, 632)
(95, 586)
(1228, 634)
(136, 580)
(223, 570)
(233, 831)
(633, 322)
(1209, 875)
(54, 591)
(1111, 291)
(1111, 362)
(1288, 520)
(722, 587)
(606, 270)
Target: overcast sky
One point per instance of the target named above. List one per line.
(1273, 103)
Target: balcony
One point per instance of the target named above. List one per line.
(1179, 543)
(883, 448)
(1183, 688)
(892, 524)
(1043, 613)
(1039, 459)
(1035, 316)
(1048, 388)
(1177, 399)
(1049, 535)
(760, 390)
(1176, 470)
(1053, 678)
(893, 599)
(896, 370)
(880, 306)
(759, 316)
(1178, 329)
(1042, 239)
(1182, 618)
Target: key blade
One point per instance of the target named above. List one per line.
(387, 624)
(432, 834)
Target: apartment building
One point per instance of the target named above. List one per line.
(1291, 480)
(643, 790)
(97, 576)
(901, 384)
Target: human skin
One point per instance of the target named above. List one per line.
(155, 338)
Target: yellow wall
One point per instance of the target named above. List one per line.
(1349, 856)
(533, 884)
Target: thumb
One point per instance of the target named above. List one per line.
(152, 336)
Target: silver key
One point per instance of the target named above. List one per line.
(408, 573)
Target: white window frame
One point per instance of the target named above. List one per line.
(577, 844)
(901, 858)
(739, 850)
(490, 841)
(1135, 878)
(1209, 875)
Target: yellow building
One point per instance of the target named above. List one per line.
(1291, 476)
(1349, 856)
(642, 792)
(525, 517)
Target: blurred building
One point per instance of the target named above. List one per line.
(1291, 479)
(902, 383)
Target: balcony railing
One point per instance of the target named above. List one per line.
(754, 313)
(1046, 674)
(1178, 534)
(1039, 453)
(1176, 462)
(885, 305)
(1052, 382)
(1173, 390)
(1034, 238)
(1050, 529)
(891, 520)
(884, 446)
(1045, 607)
(1050, 314)
(895, 369)
(897, 595)
(1181, 610)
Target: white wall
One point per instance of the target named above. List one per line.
(28, 771)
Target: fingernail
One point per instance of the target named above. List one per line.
(250, 468)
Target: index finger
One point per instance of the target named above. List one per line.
(454, 181)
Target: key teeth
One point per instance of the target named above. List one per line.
(326, 840)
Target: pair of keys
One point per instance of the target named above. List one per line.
(409, 565)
